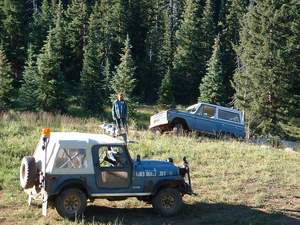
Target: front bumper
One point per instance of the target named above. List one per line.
(187, 189)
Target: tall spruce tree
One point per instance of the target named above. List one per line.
(112, 29)
(166, 90)
(137, 10)
(212, 87)
(76, 29)
(155, 63)
(28, 93)
(5, 82)
(51, 95)
(208, 29)
(269, 65)
(107, 74)
(13, 27)
(42, 20)
(230, 27)
(123, 80)
(189, 62)
(167, 51)
(91, 75)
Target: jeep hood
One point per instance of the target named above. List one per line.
(156, 168)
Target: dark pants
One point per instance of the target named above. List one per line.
(121, 123)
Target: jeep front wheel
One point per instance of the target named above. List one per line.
(71, 203)
(167, 202)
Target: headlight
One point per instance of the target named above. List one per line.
(170, 160)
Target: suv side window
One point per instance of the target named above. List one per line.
(231, 116)
(71, 158)
(112, 156)
(207, 111)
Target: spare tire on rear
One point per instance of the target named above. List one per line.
(28, 172)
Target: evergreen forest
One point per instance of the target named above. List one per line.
(245, 54)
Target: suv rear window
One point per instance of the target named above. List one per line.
(231, 116)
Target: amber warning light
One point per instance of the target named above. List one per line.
(46, 132)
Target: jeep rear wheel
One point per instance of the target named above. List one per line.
(71, 203)
(28, 172)
(167, 202)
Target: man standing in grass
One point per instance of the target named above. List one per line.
(120, 112)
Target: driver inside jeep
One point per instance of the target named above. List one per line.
(115, 157)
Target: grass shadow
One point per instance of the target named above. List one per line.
(194, 214)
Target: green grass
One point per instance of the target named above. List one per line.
(237, 183)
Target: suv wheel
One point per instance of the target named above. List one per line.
(167, 202)
(71, 203)
(178, 129)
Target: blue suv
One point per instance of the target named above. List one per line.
(203, 118)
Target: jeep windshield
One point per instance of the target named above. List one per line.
(192, 108)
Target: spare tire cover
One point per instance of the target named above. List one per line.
(28, 172)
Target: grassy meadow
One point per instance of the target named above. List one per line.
(236, 183)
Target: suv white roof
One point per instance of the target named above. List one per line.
(88, 138)
(218, 106)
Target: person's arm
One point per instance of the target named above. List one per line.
(126, 111)
(113, 113)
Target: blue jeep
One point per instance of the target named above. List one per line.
(69, 168)
(202, 118)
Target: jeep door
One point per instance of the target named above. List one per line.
(113, 167)
(206, 119)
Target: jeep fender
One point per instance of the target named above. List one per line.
(179, 184)
(72, 183)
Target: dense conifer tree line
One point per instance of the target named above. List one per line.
(239, 53)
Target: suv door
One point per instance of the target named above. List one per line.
(206, 119)
(113, 166)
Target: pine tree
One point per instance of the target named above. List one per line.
(137, 11)
(76, 28)
(208, 28)
(269, 59)
(212, 87)
(166, 95)
(91, 75)
(107, 74)
(123, 80)
(155, 62)
(51, 80)
(5, 82)
(166, 90)
(189, 62)
(112, 28)
(28, 93)
(42, 20)
(230, 27)
(13, 27)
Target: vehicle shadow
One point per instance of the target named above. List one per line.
(194, 214)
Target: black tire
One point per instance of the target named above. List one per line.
(178, 129)
(167, 201)
(71, 203)
(28, 172)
